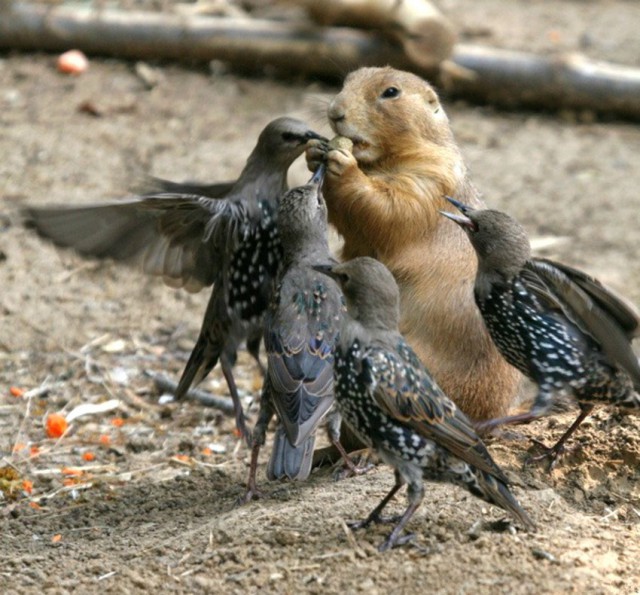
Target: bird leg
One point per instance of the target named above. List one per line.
(253, 347)
(374, 515)
(257, 441)
(416, 494)
(334, 421)
(241, 424)
(552, 453)
(483, 427)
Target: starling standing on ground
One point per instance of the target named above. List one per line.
(558, 326)
(192, 241)
(301, 329)
(392, 403)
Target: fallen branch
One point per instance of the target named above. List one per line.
(502, 77)
(246, 44)
(166, 385)
(426, 35)
(508, 78)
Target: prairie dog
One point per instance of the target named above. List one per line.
(383, 197)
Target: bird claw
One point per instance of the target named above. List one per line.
(392, 542)
(251, 494)
(351, 470)
(373, 518)
(550, 453)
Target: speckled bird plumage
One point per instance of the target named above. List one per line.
(194, 235)
(563, 329)
(391, 402)
(301, 329)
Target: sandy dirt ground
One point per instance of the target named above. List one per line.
(142, 498)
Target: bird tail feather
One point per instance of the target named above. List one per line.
(292, 462)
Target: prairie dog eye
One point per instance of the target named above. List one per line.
(390, 93)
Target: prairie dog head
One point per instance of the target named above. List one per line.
(386, 111)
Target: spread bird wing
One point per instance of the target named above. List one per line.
(595, 309)
(300, 336)
(618, 307)
(403, 389)
(183, 238)
(153, 185)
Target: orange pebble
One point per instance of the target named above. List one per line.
(56, 538)
(35, 505)
(73, 62)
(34, 451)
(104, 439)
(27, 486)
(71, 471)
(88, 456)
(207, 452)
(118, 422)
(15, 391)
(56, 425)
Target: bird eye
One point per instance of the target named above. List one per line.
(289, 137)
(390, 93)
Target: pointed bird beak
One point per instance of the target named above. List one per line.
(325, 269)
(328, 270)
(311, 135)
(461, 220)
(318, 176)
(457, 204)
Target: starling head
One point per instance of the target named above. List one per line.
(284, 139)
(302, 216)
(499, 240)
(372, 294)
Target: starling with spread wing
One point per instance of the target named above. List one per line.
(388, 398)
(563, 329)
(192, 241)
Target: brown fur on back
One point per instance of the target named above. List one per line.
(386, 206)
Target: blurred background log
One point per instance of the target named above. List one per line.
(501, 77)
(425, 34)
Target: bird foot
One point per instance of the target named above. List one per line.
(373, 518)
(550, 453)
(392, 541)
(252, 493)
(243, 432)
(351, 468)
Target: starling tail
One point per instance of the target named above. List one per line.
(560, 327)
(393, 404)
(193, 236)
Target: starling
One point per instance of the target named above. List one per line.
(560, 327)
(301, 329)
(229, 241)
(392, 403)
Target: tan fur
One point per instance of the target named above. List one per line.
(384, 201)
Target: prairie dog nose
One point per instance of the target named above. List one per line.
(336, 111)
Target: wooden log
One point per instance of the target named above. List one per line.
(502, 77)
(246, 44)
(426, 35)
(572, 81)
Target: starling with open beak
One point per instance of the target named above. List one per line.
(560, 327)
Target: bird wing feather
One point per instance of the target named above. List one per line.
(183, 238)
(595, 309)
(299, 349)
(153, 185)
(404, 390)
(617, 306)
